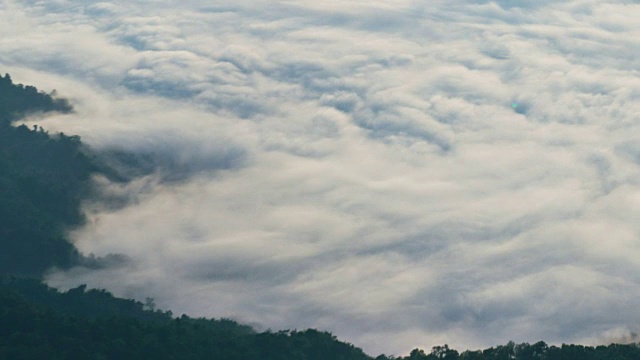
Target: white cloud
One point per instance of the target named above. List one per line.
(461, 172)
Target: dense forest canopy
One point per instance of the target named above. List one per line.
(17, 101)
(38, 322)
(43, 180)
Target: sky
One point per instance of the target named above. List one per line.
(400, 173)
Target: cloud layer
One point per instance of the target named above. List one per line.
(400, 173)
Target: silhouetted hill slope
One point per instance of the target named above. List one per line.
(79, 301)
(17, 101)
(537, 351)
(43, 179)
(37, 322)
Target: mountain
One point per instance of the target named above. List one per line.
(43, 179)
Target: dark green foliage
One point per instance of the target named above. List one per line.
(79, 301)
(36, 320)
(43, 179)
(17, 100)
(525, 351)
(537, 351)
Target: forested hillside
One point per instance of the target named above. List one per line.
(43, 179)
(40, 323)
(17, 101)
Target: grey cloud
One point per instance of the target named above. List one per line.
(108, 261)
(525, 4)
(618, 336)
(173, 162)
(630, 150)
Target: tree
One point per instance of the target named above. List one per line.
(443, 352)
(417, 354)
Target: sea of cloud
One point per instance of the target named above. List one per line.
(401, 173)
